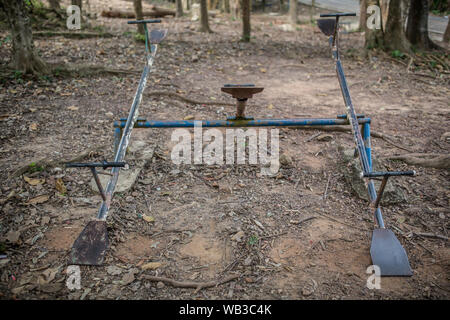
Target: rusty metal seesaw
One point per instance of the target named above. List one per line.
(386, 251)
(90, 246)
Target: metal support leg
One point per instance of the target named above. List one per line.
(117, 137)
(367, 143)
(377, 201)
(99, 184)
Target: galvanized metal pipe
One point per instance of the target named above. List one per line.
(125, 139)
(364, 156)
(240, 123)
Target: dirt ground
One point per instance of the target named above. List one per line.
(211, 222)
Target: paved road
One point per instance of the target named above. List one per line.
(436, 25)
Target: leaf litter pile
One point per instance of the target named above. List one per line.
(213, 232)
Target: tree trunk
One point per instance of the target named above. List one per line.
(139, 15)
(374, 37)
(312, 11)
(447, 33)
(362, 14)
(24, 57)
(293, 12)
(179, 8)
(394, 34)
(246, 29)
(226, 6)
(54, 4)
(78, 3)
(417, 29)
(204, 25)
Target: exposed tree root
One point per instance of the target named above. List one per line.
(80, 70)
(156, 12)
(373, 133)
(431, 235)
(438, 161)
(47, 164)
(72, 34)
(190, 284)
(88, 70)
(182, 98)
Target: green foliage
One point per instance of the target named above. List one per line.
(45, 78)
(139, 37)
(35, 5)
(17, 76)
(253, 240)
(99, 29)
(33, 167)
(439, 7)
(397, 54)
(2, 247)
(5, 40)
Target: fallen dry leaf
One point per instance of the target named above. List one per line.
(59, 185)
(148, 218)
(47, 276)
(151, 266)
(33, 182)
(73, 108)
(39, 199)
(13, 236)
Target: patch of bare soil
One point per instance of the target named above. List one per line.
(302, 234)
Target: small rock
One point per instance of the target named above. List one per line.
(351, 168)
(4, 261)
(85, 293)
(248, 261)
(325, 137)
(446, 137)
(127, 279)
(113, 270)
(225, 188)
(286, 27)
(238, 236)
(13, 236)
(194, 58)
(160, 285)
(45, 220)
(135, 286)
(285, 160)
(307, 292)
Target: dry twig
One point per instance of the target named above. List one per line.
(190, 284)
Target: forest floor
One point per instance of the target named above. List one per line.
(211, 222)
